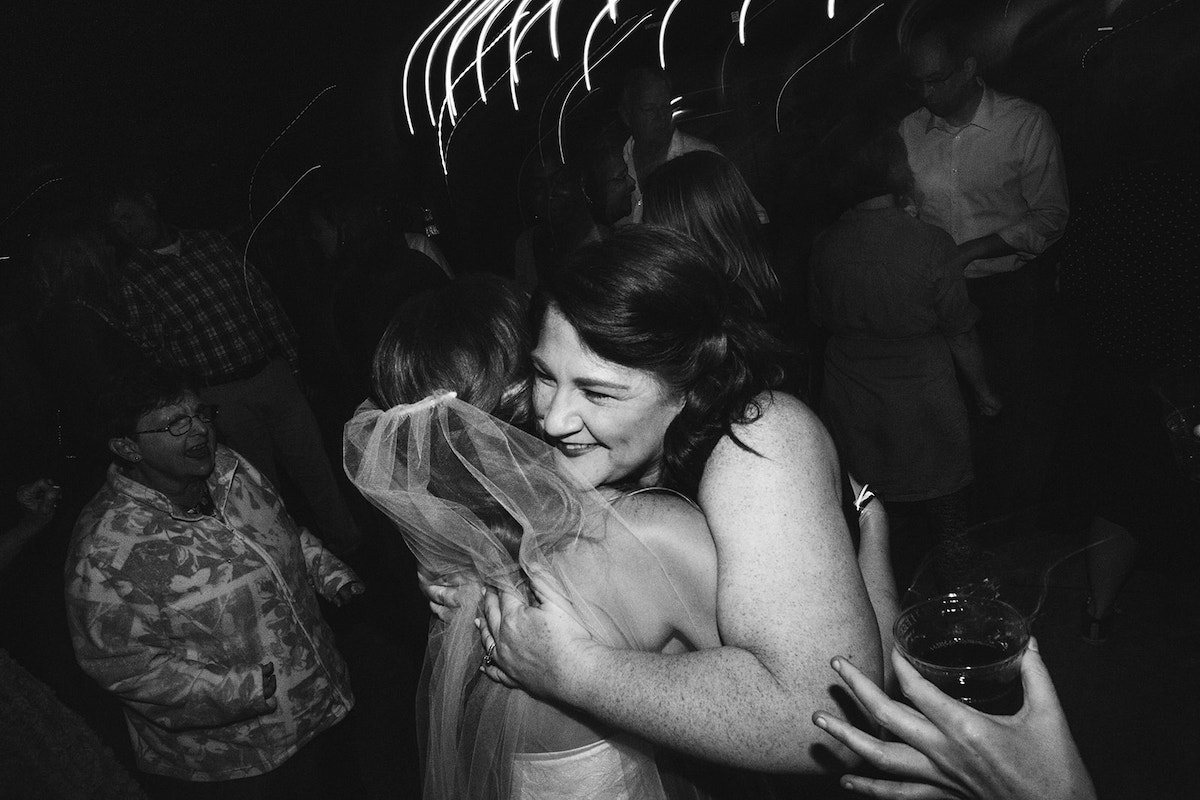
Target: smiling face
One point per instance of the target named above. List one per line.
(608, 419)
(165, 462)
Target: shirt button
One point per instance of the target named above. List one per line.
(955, 171)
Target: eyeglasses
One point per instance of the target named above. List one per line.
(182, 424)
(932, 82)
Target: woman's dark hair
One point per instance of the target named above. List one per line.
(703, 195)
(652, 299)
(866, 158)
(470, 337)
(134, 392)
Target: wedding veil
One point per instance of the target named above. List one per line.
(478, 498)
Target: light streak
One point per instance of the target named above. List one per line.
(412, 54)
(513, 30)
(587, 44)
(742, 21)
(254, 172)
(445, 151)
(479, 48)
(830, 9)
(851, 29)
(554, 29)
(725, 55)
(437, 40)
(464, 30)
(28, 197)
(662, 33)
(562, 152)
(246, 251)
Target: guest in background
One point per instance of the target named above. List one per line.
(646, 109)
(192, 597)
(374, 271)
(888, 290)
(703, 195)
(80, 330)
(200, 306)
(989, 171)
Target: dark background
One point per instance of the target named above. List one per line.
(201, 91)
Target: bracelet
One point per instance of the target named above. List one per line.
(865, 496)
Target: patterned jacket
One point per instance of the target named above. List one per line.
(175, 613)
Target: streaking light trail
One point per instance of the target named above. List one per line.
(821, 52)
(492, 21)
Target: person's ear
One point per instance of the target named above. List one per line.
(970, 67)
(125, 448)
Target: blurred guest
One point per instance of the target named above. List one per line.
(202, 307)
(80, 329)
(703, 195)
(645, 108)
(192, 597)
(39, 500)
(887, 288)
(990, 173)
(576, 206)
(374, 271)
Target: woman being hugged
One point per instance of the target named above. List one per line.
(652, 368)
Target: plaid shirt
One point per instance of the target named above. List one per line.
(202, 311)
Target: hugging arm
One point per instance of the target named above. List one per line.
(788, 587)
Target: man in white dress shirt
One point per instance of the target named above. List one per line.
(989, 171)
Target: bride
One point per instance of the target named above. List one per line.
(477, 497)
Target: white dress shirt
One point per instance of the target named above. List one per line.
(1001, 173)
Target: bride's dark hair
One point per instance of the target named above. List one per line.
(652, 299)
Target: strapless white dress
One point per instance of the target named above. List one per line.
(603, 770)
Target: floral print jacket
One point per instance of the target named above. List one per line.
(176, 613)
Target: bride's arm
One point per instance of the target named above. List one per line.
(789, 593)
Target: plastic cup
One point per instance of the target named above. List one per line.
(969, 647)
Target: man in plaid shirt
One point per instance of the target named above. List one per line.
(199, 305)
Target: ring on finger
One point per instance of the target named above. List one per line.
(489, 657)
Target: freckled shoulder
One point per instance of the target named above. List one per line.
(786, 430)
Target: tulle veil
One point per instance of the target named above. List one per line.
(458, 483)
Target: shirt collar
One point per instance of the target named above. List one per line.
(218, 487)
(985, 113)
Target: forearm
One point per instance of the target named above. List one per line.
(327, 572)
(723, 705)
(990, 246)
(875, 563)
(968, 357)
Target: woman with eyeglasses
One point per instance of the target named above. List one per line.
(192, 597)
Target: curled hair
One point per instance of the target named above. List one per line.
(703, 194)
(651, 299)
(130, 394)
(469, 337)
